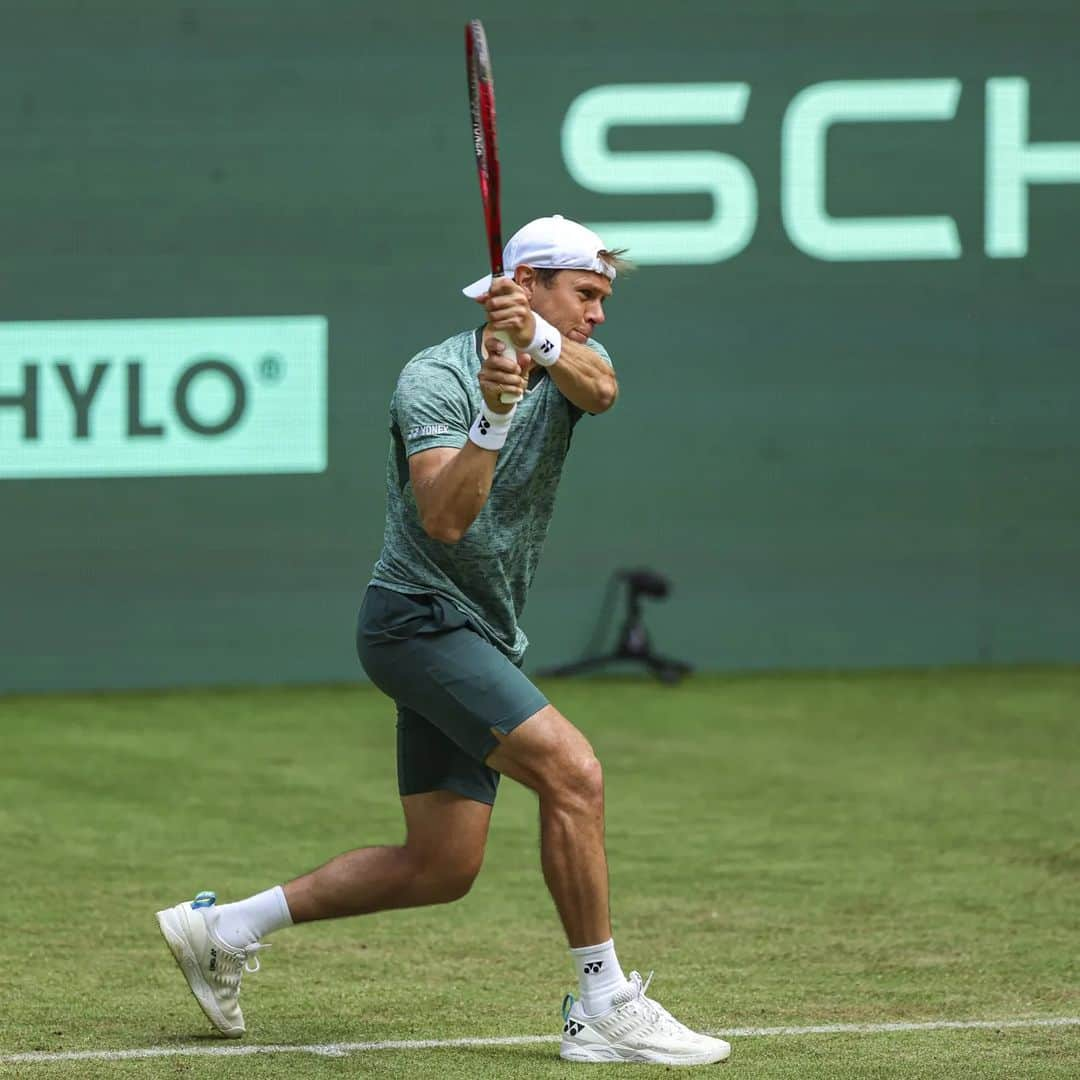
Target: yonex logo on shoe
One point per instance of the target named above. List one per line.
(594, 968)
(572, 1027)
(213, 959)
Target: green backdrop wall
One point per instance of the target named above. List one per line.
(841, 455)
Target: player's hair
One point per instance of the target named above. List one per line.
(615, 258)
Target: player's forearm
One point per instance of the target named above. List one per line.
(450, 501)
(584, 377)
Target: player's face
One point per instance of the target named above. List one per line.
(573, 303)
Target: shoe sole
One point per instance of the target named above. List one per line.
(173, 932)
(610, 1055)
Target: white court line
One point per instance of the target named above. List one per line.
(344, 1049)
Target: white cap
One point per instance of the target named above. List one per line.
(549, 243)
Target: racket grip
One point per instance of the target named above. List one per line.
(507, 397)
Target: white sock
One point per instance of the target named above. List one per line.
(599, 976)
(247, 921)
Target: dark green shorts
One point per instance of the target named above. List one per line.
(451, 687)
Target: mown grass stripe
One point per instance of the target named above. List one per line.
(344, 1049)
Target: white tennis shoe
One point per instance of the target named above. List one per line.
(213, 969)
(637, 1029)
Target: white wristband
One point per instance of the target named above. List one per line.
(546, 344)
(489, 429)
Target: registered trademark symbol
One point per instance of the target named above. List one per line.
(271, 368)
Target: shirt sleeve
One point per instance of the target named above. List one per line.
(431, 407)
(600, 351)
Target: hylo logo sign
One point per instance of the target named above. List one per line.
(163, 397)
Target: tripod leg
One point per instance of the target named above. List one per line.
(578, 667)
(668, 671)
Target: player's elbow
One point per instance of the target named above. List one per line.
(446, 532)
(436, 519)
(606, 393)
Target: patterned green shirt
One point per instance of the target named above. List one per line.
(486, 574)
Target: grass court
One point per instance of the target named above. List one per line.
(786, 851)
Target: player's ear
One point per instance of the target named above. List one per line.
(525, 276)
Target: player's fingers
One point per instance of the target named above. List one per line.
(501, 361)
(511, 376)
(507, 303)
(502, 286)
(499, 354)
(510, 318)
(504, 381)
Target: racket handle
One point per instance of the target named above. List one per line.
(507, 397)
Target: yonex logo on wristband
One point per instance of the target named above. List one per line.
(546, 345)
(489, 430)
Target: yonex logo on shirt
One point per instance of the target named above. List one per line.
(427, 429)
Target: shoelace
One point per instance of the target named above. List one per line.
(636, 990)
(251, 951)
(233, 962)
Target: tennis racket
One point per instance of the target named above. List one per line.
(482, 112)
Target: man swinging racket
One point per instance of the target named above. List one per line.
(471, 483)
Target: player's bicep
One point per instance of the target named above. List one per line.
(424, 470)
(426, 466)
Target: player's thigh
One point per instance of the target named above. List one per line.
(445, 672)
(544, 752)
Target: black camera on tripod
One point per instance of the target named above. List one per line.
(634, 642)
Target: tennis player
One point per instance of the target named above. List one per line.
(471, 482)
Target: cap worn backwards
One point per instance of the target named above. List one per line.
(549, 243)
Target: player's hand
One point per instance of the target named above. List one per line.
(507, 306)
(504, 371)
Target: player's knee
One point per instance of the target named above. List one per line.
(579, 781)
(591, 779)
(449, 878)
(455, 887)
(453, 882)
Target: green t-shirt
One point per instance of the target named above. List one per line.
(486, 574)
